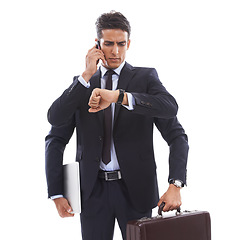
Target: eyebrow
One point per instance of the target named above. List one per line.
(116, 42)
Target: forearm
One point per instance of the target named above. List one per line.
(65, 106)
(53, 168)
(178, 159)
(175, 136)
(155, 100)
(55, 143)
(160, 105)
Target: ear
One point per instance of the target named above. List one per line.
(128, 43)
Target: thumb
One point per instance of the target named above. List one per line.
(94, 110)
(67, 207)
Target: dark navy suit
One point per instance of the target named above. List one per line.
(132, 136)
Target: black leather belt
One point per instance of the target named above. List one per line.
(109, 176)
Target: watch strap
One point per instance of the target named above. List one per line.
(121, 97)
(177, 183)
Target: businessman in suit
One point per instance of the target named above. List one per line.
(113, 110)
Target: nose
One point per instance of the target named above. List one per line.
(115, 49)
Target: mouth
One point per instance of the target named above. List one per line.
(114, 59)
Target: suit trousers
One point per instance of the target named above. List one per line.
(108, 201)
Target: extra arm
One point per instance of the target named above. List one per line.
(55, 143)
(65, 106)
(175, 136)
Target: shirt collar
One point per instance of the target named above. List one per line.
(117, 70)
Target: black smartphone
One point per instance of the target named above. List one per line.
(98, 45)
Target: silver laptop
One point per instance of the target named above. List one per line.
(72, 186)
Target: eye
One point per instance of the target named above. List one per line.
(108, 44)
(122, 44)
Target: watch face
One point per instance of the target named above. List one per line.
(178, 183)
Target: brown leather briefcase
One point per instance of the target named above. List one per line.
(187, 225)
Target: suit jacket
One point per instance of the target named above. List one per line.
(132, 135)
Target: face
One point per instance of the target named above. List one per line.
(114, 44)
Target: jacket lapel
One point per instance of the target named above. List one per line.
(126, 75)
(95, 80)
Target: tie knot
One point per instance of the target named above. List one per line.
(110, 72)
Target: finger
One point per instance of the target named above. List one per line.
(95, 97)
(93, 48)
(95, 92)
(67, 207)
(167, 207)
(103, 58)
(178, 205)
(94, 110)
(67, 211)
(98, 54)
(95, 100)
(160, 202)
(94, 105)
(65, 214)
(175, 205)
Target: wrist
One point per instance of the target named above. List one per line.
(122, 97)
(176, 182)
(125, 100)
(87, 75)
(115, 96)
(173, 187)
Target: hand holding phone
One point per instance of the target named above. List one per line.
(92, 59)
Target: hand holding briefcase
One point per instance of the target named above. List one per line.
(187, 225)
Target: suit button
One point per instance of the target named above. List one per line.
(97, 159)
(100, 138)
(148, 104)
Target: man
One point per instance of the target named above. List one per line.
(114, 128)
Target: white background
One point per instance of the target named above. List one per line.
(199, 51)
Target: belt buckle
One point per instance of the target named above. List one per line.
(107, 178)
(119, 175)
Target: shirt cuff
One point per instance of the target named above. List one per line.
(131, 102)
(83, 82)
(56, 196)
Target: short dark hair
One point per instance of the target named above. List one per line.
(112, 20)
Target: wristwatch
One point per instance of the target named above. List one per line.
(176, 183)
(121, 96)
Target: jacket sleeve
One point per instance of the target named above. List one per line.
(174, 134)
(157, 101)
(65, 106)
(55, 143)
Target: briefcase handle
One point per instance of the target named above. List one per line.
(162, 206)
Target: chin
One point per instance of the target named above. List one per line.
(113, 64)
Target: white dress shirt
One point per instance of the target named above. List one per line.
(113, 164)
